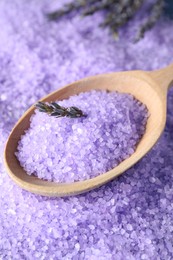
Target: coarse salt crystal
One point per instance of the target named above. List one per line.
(83, 148)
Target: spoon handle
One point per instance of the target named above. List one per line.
(164, 77)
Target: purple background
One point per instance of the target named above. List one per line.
(129, 218)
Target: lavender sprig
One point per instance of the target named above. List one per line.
(117, 13)
(54, 109)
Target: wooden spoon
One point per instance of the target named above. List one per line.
(148, 87)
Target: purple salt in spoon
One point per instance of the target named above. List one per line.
(150, 88)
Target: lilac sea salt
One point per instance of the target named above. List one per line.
(130, 218)
(68, 150)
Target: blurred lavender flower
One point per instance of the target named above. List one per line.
(117, 13)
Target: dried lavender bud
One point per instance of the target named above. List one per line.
(55, 105)
(74, 112)
(54, 109)
(68, 8)
(156, 13)
(121, 13)
(42, 107)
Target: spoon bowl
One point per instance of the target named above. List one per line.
(150, 88)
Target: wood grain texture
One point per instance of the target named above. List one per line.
(148, 87)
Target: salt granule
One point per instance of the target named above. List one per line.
(68, 150)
